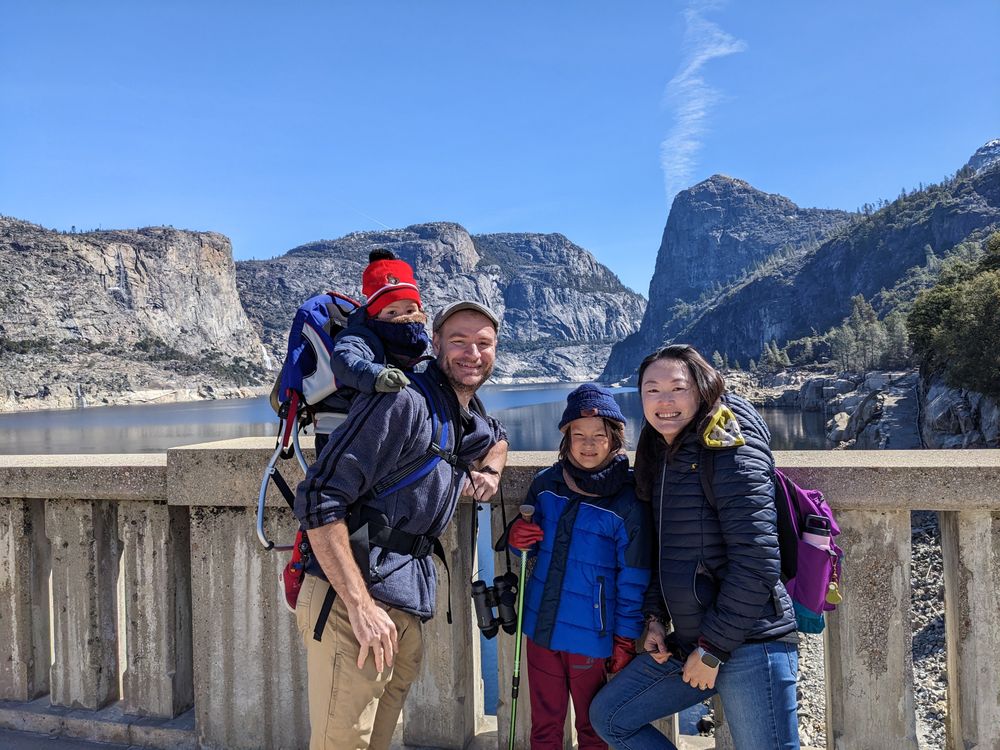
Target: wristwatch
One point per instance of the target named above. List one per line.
(708, 659)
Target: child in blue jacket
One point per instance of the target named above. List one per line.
(384, 337)
(583, 602)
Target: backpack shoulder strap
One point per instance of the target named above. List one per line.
(444, 422)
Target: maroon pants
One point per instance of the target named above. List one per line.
(553, 677)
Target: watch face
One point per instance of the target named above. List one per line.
(709, 660)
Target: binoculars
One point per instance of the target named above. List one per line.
(501, 596)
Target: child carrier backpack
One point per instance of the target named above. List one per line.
(810, 558)
(305, 382)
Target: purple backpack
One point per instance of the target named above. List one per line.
(811, 573)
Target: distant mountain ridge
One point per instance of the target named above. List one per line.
(561, 310)
(807, 285)
(157, 313)
(123, 316)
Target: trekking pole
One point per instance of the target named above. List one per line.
(527, 511)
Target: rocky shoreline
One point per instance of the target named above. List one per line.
(895, 410)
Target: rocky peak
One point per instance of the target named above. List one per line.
(722, 226)
(985, 157)
(561, 309)
(717, 232)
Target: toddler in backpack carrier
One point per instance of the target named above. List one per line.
(331, 358)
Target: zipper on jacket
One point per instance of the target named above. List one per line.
(601, 605)
(659, 537)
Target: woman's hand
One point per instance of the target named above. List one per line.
(699, 675)
(656, 644)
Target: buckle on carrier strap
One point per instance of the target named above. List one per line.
(402, 542)
(422, 545)
(399, 541)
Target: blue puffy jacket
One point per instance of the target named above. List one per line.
(719, 566)
(592, 567)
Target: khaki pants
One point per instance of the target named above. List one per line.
(351, 708)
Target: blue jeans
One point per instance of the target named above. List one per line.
(757, 686)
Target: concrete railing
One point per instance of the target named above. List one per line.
(138, 582)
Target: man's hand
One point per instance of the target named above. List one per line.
(391, 380)
(370, 623)
(656, 642)
(699, 675)
(374, 630)
(482, 485)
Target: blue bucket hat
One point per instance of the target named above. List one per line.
(591, 400)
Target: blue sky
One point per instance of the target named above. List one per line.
(282, 126)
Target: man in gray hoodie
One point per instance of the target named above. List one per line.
(354, 700)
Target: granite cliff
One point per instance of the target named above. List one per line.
(985, 157)
(871, 257)
(561, 309)
(717, 233)
(793, 276)
(119, 316)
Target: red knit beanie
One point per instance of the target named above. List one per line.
(387, 279)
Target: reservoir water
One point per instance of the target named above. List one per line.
(529, 412)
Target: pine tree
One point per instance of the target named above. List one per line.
(807, 352)
(717, 360)
(898, 350)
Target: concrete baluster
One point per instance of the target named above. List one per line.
(85, 549)
(723, 736)
(450, 674)
(869, 665)
(24, 599)
(156, 567)
(249, 664)
(970, 543)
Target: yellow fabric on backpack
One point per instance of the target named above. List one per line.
(722, 430)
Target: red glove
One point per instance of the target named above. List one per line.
(524, 535)
(622, 653)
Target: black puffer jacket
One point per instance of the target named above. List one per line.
(719, 566)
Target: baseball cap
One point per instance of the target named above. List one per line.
(455, 307)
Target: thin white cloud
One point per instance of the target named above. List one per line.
(690, 98)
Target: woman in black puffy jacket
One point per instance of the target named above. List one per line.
(717, 581)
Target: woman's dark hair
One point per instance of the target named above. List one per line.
(616, 436)
(709, 385)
